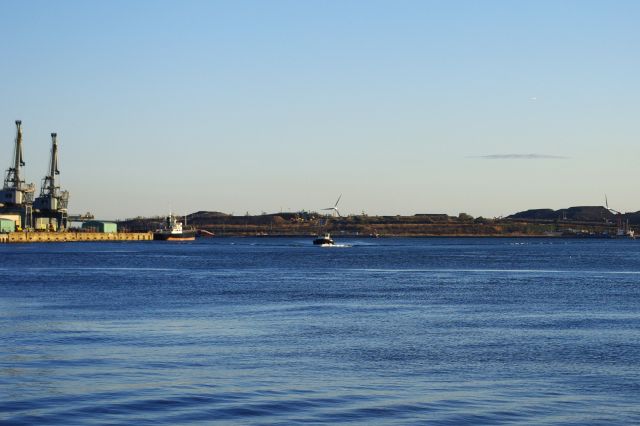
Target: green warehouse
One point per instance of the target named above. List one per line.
(7, 225)
(97, 226)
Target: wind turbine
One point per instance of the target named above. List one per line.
(624, 230)
(606, 203)
(334, 209)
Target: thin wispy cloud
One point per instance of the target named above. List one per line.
(520, 157)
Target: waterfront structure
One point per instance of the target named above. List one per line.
(7, 225)
(50, 208)
(100, 226)
(66, 236)
(16, 196)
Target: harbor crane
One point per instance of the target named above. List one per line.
(16, 196)
(52, 202)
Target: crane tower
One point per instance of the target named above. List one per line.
(17, 196)
(52, 202)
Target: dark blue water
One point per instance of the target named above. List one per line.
(276, 331)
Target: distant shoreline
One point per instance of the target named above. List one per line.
(575, 222)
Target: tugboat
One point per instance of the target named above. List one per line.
(324, 240)
(173, 231)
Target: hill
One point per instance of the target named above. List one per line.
(580, 214)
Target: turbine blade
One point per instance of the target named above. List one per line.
(336, 204)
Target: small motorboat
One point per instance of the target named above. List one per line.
(324, 240)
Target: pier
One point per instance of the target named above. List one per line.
(45, 237)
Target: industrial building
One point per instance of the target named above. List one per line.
(7, 225)
(49, 210)
(100, 226)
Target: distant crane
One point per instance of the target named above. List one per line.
(52, 202)
(16, 195)
(334, 209)
(81, 217)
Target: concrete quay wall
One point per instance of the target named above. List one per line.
(46, 237)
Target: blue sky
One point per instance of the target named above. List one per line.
(402, 106)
